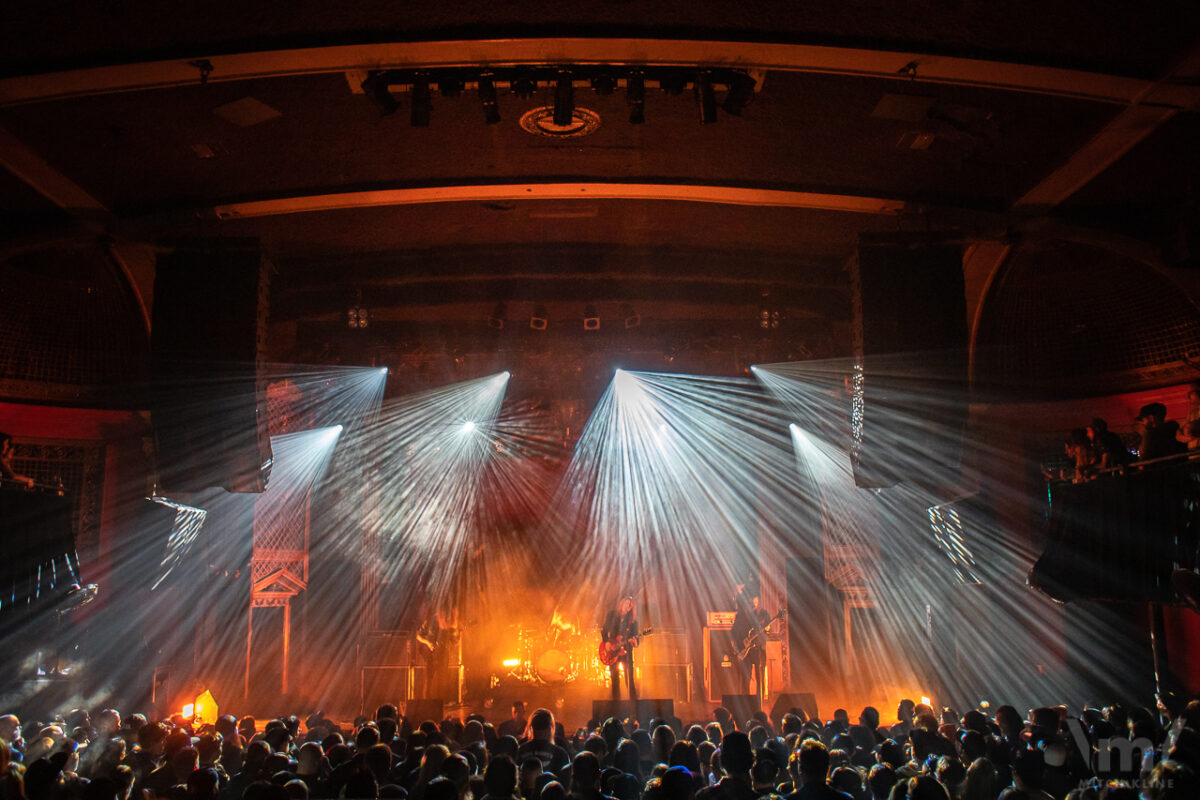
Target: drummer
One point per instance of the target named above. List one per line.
(515, 726)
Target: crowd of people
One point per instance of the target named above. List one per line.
(1103, 754)
(1094, 448)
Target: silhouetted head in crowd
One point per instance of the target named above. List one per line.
(501, 778)
(541, 725)
(737, 757)
(880, 780)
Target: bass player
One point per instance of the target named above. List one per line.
(749, 631)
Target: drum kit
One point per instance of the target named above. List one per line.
(555, 655)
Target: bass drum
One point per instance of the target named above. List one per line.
(554, 667)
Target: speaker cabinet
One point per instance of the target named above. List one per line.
(384, 650)
(425, 708)
(666, 680)
(662, 708)
(910, 387)
(784, 703)
(381, 685)
(723, 672)
(208, 400)
(742, 706)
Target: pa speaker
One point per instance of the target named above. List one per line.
(603, 709)
(424, 709)
(910, 399)
(784, 703)
(207, 403)
(741, 706)
(661, 708)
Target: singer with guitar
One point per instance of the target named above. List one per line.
(750, 633)
(619, 636)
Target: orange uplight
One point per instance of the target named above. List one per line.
(206, 707)
(511, 662)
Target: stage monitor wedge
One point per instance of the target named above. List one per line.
(910, 399)
(208, 398)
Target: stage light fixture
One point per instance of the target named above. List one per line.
(450, 84)
(604, 83)
(375, 86)
(358, 317)
(706, 98)
(564, 99)
(673, 82)
(538, 321)
(741, 91)
(635, 96)
(523, 83)
(591, 318)
(421, 105)
(497, 317)
(632, 318)
(487, 96)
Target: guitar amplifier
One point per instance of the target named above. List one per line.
(389, 649)
(664, 646)
(379, 685)
(722, 670)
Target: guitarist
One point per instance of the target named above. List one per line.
(749, 634)
(621, 629)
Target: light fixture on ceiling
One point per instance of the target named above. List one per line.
(487, 96)
(672, 81)
(635, 96)
(604, 83)
(497, 317)
(769, 315)
(421, 104)
(450, 83)
(591, 318)
(523, 83)
(358, 317)
(632, 318)
(706, 98)
(741, 91)
(375, 86)
(564, 98)
(538, 320)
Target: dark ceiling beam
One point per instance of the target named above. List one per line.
(1144, 115)
(723, 195)
(898, 65)
(23, 163)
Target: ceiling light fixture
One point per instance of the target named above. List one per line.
(450, 83)
(604, 83)
(487, 96)
(523, 83)
(375, 86)
(421, 104)
(706, 98)
(741, 91)
(591, 318)
(538, 320)
(564, 98)
(632, 318)
(635, 96)
(497, 317)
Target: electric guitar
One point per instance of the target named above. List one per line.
(613, 650)
(755, 637)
